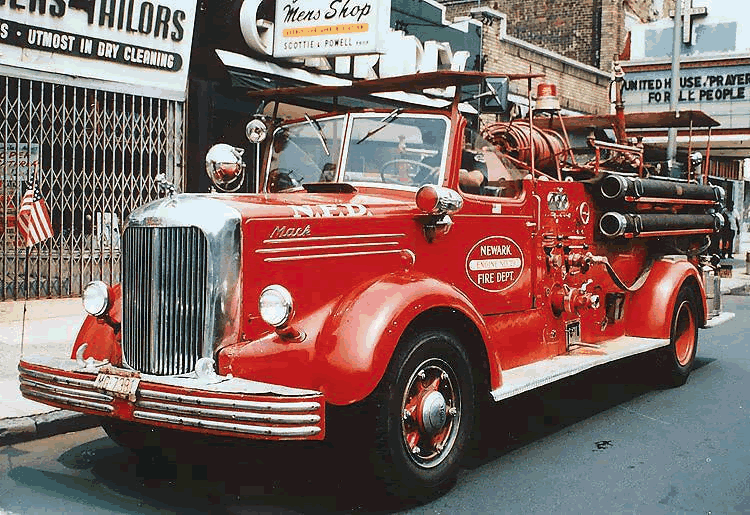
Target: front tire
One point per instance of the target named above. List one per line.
(678, 359)
(425, 414)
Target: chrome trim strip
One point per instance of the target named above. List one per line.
(84, 383)
(225, 426)
(342, 237)
(231, 415)
(91, 394)
(340, 254)
(79, 403)
(323, 247)
(289, 407)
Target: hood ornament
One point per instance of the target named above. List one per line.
(165, 185)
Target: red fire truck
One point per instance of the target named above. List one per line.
(395, 263)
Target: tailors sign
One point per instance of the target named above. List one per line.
(133, 41)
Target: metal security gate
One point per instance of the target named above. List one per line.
(94, 156)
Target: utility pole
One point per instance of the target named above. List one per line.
(675, 92)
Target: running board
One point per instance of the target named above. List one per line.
(719, 319)
(527, 377)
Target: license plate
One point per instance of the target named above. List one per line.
(119, 386)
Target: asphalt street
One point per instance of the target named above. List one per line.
(608, 441)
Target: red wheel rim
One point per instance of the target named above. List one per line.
(430, 413)
(684, 334)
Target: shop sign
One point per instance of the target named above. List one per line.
(135, 42)
(397, 53)
(317, 28)
(18, 162)
(723, 92)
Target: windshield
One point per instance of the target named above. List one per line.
(403, 149)
(394, 148)
(305, 152)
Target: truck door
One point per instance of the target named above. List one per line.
(498, 233)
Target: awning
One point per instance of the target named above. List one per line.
(256, 75)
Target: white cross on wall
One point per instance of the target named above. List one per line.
(687, 19)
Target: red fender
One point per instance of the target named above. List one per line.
(648, 311)
(356, 343)
(102, 341)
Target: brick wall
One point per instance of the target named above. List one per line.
(644, 9)
(579, 88)
(589, 31)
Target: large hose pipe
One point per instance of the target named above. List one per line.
(618, 187)
(615, 225)
(516, 139)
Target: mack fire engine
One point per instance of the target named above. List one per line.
(396, 261)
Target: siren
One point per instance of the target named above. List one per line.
(546, 97)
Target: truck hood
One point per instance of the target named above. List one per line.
(195, 209)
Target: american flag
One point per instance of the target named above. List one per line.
(33, 219)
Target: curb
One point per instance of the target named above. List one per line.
(24, 429)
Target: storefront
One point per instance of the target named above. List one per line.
(235, 52)
(92, 108)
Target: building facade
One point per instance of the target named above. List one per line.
(714, 78)
(92, 107)
(156, 84)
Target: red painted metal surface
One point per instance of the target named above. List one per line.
(518, 277)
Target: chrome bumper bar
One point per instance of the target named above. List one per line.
(225, 406)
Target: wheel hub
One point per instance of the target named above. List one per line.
(430, 413)
(434, 412)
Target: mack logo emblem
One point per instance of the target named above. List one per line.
(494, 263)
(282, 231)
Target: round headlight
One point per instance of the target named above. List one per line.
(96, 298)
(256, 131)
(275, 305)
(224, 164)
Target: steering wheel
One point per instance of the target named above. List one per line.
(280, 179)
(428, 172)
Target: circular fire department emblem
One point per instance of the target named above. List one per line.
(494, 263)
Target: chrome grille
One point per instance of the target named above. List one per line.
(164, 298)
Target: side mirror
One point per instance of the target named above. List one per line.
(497, 100)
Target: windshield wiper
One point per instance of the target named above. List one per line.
(315, 125)
(385, 121)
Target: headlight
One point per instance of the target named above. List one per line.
(275, 305)
(224, 164)
(96, 298)
(256, 131)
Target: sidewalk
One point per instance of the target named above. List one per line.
(51, 326)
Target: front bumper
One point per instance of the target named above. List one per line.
(222, 406)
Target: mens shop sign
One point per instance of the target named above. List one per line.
(316, 28)
(312, 28)
(394, 54)
(122, 41)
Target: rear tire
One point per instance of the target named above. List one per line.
(678, 359)
(424, 415)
